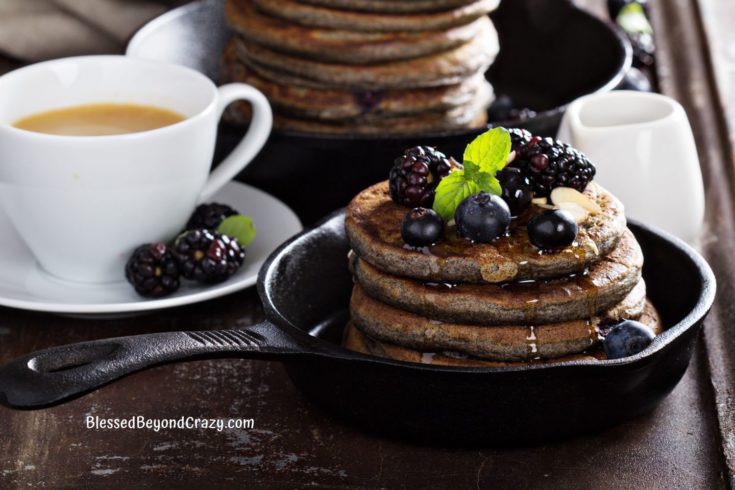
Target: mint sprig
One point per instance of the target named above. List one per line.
(490, 150)
(632, 19)
(482, 159)
(238, 227)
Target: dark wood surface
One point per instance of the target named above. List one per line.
(293, 443)
(682, 444)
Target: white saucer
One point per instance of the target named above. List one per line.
(23, 284)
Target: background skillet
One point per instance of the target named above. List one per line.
(330, 170)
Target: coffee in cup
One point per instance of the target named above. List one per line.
(82, 203)
(99, 120)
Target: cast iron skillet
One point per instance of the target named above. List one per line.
(551, 53)
(305, 288)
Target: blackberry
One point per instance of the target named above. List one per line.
(209, 216)
(207, 256)
(152, 270)
(519, 137)
(504, 109)
(549, 163)
(415, 175)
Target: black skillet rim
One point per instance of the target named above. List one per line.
(698, 312)
(623, 67)
(625, 64)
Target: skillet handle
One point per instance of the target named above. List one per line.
(55, 374)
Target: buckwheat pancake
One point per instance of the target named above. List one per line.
(420, 124)
(342, 46)
(282, 77)
(275, 74)
(604, 285)
(336, 104)
(373, 224)
(316, 16)
(391, 6)
(446, 68)
(472, 115)
(522, 341)
(358, 341)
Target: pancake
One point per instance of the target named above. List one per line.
(604, 285)
(463, 117)
(470, 116)
(391, 6)
(282, 77)
(341, 46)
(373, 224)
(316, 16)
(335, 104)
(358, 341)
(445, 68)
(523, 341)
(239, 113)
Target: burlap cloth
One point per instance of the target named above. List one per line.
(32, 30)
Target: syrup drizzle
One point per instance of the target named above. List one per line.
(594, 333)
(532, 343)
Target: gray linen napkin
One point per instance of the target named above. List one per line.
(32, 30)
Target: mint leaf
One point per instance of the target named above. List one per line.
(632, 19)
(471, 170)
(452, 190)
(489, 183)
(489, 151)
(482, 159)
(238, 227)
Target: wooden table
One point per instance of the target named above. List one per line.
(687, 442)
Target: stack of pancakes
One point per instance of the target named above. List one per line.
(365, 66)
(470, 304)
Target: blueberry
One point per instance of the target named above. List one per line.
(552, 230)
(517, 192)
(482, 217)
(501, 108)
(422, 227)
(627, 338)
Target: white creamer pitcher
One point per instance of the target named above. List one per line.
(644, 151)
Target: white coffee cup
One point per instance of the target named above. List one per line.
(83, 203)
(645, 154)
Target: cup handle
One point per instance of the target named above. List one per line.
(251, 143)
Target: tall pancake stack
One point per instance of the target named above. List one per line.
(365, 66)
(474, 304)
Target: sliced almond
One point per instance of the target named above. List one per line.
(568, 195)
(546, 206)
(594, 248)
(542, 202)
(578, 212)
(511, 157)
